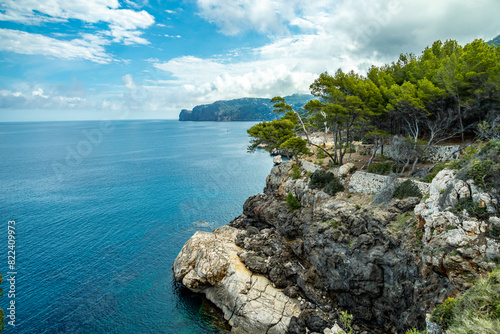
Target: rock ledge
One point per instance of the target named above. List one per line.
(209, 263)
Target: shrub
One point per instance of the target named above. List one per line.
(443, 313)
(406, 189)
(320, 154)
(320, 178)
(292, 203)
(295, 174)
(479, 170)
(346, 319)
(494, 231)
(413, 331)
(472, 208)
(475, 311)
(382, 168)
(333, 187)
(326, 181)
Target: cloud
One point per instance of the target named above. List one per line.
(124, 24)
(39, 92)
(199, 80)
(89, 47)
(379, 25)
(310, 38)
(128, 81)
(38, 98)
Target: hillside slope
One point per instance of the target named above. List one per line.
(244, 109)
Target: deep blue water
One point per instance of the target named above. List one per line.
(102, 210)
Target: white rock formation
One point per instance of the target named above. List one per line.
(456, 243)
(209, 263)
(345, 169)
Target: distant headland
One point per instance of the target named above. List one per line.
(244, 109)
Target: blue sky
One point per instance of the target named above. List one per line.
(110, 59)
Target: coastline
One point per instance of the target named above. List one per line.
(333, 254)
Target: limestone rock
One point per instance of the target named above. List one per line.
(309, 166)
(277, 159)
(209, 263)
(456, 245)
(345, 169)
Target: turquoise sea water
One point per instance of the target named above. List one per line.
(101, 211)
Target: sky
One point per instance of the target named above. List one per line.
(148, 59)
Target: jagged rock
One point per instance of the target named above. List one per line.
(277, 160)
(209, 263)
(330, 253)
(456, 245)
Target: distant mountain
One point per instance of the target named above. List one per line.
(244, 109)
(495, 41)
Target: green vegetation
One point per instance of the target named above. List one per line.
(295, 174)
(326, 181)
(292, 203)
(414, 331)
(443, 313)
(475, 311)
(406, 189)
(442, 93)
(401, 221)
(346, 319)
(295, 146)
(245, 109)
(482, 166)
(270, 135)
(472, 208)
(320, 155)
(382, 168)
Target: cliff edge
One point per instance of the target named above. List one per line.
(384, 264)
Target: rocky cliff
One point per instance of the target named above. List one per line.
(385, 265)
(244, 109)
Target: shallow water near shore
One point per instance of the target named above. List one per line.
(101, 211)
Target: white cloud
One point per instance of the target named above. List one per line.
(352, 35)
(39, 98)
(173, 36)
(89, 47)
(39, 92)
(124, 24)
(360, 23)
(128, 81)
(197, 80)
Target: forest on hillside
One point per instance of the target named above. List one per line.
(449, 91)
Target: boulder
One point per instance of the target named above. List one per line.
(209, 263)
(346, 169)
(277, 159)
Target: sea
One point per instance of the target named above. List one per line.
(93, 214)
